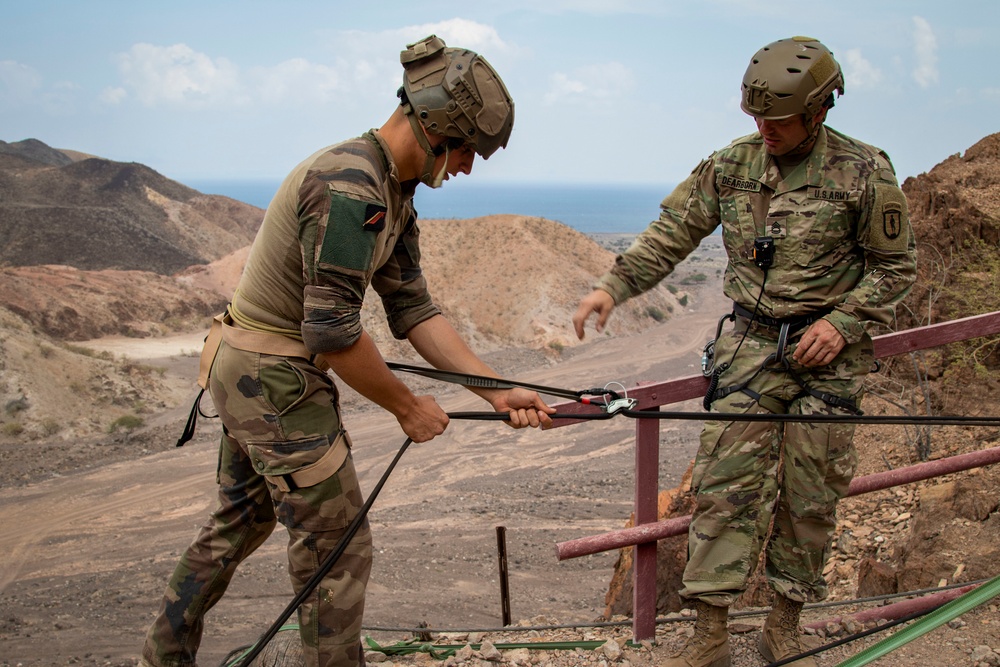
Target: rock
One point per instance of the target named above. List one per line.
(875, 578)
(611, 650)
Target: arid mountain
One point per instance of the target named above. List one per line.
(97, 214)
(955, 209)
(33, 150)
(958, 200)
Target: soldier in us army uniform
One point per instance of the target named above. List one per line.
(341, 221)
(819, 249)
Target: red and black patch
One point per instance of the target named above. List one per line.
(374, 218)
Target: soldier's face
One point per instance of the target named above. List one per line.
(784, 135)
(459, 159)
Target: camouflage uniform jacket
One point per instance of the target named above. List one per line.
(341, 221)
(839, 221)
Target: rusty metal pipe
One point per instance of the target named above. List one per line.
(649, 532)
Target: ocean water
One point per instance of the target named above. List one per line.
(589, 208)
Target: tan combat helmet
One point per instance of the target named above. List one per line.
(457, 94)
(790, 77)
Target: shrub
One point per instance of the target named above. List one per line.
(127, 423)
(655, 313)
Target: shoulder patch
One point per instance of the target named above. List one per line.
(351, 232)
(889, 219)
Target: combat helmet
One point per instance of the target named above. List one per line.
(457, 94)
(790, 77)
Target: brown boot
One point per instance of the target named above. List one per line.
(709, 647)
(780, 637)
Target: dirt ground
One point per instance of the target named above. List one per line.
(89, 544)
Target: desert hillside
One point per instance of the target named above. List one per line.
(98, 214)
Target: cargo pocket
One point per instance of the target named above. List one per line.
(312, 481)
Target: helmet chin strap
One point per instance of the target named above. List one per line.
(806, 144)
(427, 176)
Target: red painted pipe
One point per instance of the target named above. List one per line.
(897, 610)
(649, 532)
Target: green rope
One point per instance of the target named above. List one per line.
(938, 617)
(444, 651)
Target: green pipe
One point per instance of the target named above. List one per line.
(442, 651)
(938, 617)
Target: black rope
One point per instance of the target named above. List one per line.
(328, 563)
(472, 380)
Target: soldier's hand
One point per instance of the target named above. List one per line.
(599, 302)
(525, 408)
(819, 345)
(423, 420)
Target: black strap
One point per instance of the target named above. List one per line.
(192, 421)
(794, 323)
(829, 399)
(484, 382)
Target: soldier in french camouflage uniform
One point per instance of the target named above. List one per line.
(341, 221)
(819, 245)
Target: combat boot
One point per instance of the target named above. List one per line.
(709, 646)
(780, 637)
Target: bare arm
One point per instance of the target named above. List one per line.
(438, 342)
(362, 367)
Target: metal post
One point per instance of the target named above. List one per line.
(647, 481)
(504, 588)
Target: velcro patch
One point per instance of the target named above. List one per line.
(351, 233)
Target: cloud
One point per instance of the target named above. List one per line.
(859, 72)
(925, 47)
(478, 37)
(365, 63)
(18, 83)
(591, 84)
(296, 80)
(178, 75)
(113, 96)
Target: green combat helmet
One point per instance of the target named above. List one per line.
(457, 94)
(790, 77)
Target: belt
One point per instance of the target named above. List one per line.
(794, 323)
(251, 341)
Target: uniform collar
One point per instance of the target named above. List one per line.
(391, 171)
(809, 172)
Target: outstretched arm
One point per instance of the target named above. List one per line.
(362, 367)
(438, 343)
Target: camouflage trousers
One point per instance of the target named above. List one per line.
(748, 473)
(279, 415)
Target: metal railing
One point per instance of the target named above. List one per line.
(652, 396)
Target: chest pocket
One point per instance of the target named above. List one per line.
(819, 232)
(739, 228)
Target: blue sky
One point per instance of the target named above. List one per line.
(605, 92)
